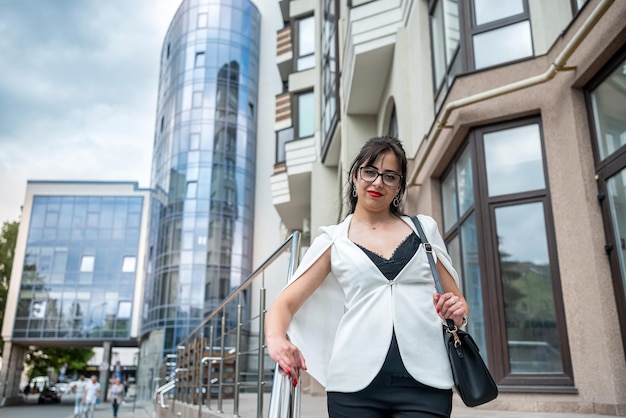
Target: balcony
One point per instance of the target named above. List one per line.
(291, 181)
(284, 52)
(291, 186)
(370, 42)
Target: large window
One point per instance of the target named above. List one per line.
(497, 223)
(606, 96)
(305, 43)
(476, 34)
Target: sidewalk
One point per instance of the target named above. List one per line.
(315, 407)
(139, 409)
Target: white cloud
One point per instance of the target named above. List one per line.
(78, 88)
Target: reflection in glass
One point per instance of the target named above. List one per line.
(532, 333)
(89, 255)
(617, 200)
(451, 28)
(465, 181)
(608, 112)
(454, 250)
(282, 137)
(448, 200)
(306, 44)
(514, 160)
(306, 115)
(438, 51)
(203, 167)
(486, 11)
(329, 69)
(501, 45)
(445, 37)
(473, 287)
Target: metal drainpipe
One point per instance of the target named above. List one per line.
(557, 66)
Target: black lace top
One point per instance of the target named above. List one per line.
(390, 267)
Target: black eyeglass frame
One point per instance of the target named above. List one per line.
(381, 175)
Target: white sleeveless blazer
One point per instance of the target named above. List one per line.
(344, 329)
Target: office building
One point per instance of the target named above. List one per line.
(77, 278)
(203, 171)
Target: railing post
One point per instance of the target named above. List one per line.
(221, 374)
(200, 372)
(237, 351)
(285, 400)
(208, 383)
(261, 379)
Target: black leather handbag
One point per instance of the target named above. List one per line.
(472, 379)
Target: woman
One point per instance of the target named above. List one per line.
(361, 311)
(116, 395)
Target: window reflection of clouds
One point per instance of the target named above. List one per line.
(521, 233)
(491, 10)
(504, 44)
(514, 160)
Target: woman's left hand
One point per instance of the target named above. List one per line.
(450, 306)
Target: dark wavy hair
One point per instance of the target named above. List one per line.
(368, 154)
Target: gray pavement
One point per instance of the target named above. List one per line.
(315, 407)
(138, 409)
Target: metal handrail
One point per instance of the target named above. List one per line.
(219, 354)
(164, 389)
(285, 400)
(293, 239)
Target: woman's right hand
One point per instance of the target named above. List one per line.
(288, 357)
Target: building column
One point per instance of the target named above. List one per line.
(104, 371)
(11, 373)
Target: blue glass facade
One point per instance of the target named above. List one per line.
(79, 268)
(203, 164)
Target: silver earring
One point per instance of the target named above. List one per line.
(396, 201)
(353, 190)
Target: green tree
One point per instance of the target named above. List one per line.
(8, 237)
(39, 360)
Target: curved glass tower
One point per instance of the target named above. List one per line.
(203, 166)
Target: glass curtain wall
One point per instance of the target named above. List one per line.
(78, 279)
(203, 164)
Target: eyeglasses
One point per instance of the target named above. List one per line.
(389, 178)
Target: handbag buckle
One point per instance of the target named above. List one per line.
(457, 340)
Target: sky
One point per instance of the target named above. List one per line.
(78, 89)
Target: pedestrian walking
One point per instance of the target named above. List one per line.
(116, 395)
(78, 388)
(91, 395)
